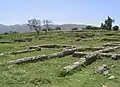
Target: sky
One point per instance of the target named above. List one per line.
(59, 11)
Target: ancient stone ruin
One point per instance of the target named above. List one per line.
(85, 58)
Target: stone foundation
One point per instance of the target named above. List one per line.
(88, 59)
(43, 57)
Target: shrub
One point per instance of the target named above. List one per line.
(116, 28)
(58, 28)
(6, 33)
(92, 27)
(1, 37)
(75, 29)
(28, 39)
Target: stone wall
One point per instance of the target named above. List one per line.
(52, 46)
(108, 55)
(88, 59)
(43, 57)
(112, 44)
(21, 51)
(5, 42)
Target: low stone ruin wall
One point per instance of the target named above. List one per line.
(110, 45)
(21, 51)
(81, 63)
(88, 59)
(51, 46)
(5, 42)
(43, 57)
(109, 49)
(28, 59)
(110, 39)
(80, 54)
(34, 48)
(108, 55)
(90, 48)
(23, 40)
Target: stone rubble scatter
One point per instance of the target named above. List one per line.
(103, 69)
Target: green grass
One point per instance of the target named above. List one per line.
(46, 73)
(39, 73)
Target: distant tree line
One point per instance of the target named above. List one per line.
(92, 27)
(36, 24)
(11, 32)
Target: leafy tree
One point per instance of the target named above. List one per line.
(102, 26)
(58, 28)
(116, 28)
(108, 23)
(35, 24)
(46, 24)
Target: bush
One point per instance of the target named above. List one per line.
(58, 28)
(13, 32)
(23, 40)
(75, 29)
(92, 27)
(28, 39)
(116, 28)
(78, 39)
(6, 33)
(1, 37)
(19, 40)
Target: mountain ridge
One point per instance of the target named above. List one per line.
(25, 28)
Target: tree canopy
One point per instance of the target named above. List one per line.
(35, 24)
(107, 23)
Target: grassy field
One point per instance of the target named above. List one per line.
(46, 73)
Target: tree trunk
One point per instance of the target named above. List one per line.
(38, 32)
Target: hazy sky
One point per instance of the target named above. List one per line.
(59, 11)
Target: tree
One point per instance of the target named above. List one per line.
(6, 33)
(35, 24)
(13, 32)
(116, 28)
(89, 27)
(75, 29)
(47, 24)
(108, 23)
(102, 26)
(58, 28)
